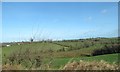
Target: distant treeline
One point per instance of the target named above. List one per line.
(108, 49)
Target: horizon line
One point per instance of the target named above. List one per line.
(60, 39)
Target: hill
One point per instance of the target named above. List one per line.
(56, 54)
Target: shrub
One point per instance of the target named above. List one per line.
(27, 59)
(107, 50)
(94, 65)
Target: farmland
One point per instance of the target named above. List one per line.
(56, 54)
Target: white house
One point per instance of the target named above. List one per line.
(8, 45)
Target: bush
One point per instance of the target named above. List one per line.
(28, 59)
(94, 65)
(115, 48)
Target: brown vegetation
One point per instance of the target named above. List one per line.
(94, 65)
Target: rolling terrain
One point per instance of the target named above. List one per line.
(56, 54)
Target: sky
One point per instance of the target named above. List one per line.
(58, 20)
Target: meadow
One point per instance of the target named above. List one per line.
(57, 54)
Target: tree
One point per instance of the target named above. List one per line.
(31, 40)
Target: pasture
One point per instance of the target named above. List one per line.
(55, 54)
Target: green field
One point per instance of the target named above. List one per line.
(58, 53)
(58, 62)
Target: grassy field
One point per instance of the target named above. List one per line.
(56, 54)
(32, 46)
(110, 58)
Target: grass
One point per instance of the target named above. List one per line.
(32, 46)
(110, 58)
(60, 58)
